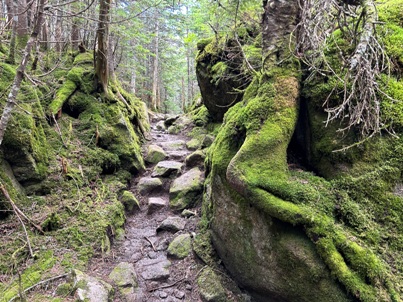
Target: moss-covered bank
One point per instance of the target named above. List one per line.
(67, 157)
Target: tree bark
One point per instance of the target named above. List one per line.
(101, 63)
(12, 97)
(58, 31)
(154, 100)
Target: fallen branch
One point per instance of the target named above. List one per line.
(17, 211)
(152, 245)
(166, 286)
(38, 284)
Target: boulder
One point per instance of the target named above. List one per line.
(210, 287)
(172, 224)
(195, 159)
(149, 184)
(155, 154)
(167, 168)
(155, 204)
(91, 289)
(180, 247)
(186, 190)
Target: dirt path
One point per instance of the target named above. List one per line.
(148, 233)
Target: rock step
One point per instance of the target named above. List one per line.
(167, 168)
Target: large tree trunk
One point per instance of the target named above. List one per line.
(12, 97)
(101, 63)
(279, 20)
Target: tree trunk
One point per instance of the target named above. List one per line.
(101, 63)
(58, 31)
(12, 97)
(22, 29)
(12, 8)
(279, 20)
(45, 36)
(154, 100)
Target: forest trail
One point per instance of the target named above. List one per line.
(150, 229)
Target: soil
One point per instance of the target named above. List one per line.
(145, 247)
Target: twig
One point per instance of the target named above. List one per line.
(17, 210)
(37, 284)
(152, 245)
(166, 286)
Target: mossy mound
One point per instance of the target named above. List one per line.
(66, 162)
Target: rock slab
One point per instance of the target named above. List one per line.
(91, 289)
(149, 184)
(155, 154)
(154, 269)
(167, 168)
(172, 224)
(155, 204)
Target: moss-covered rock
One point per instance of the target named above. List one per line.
(210, 287)
(180, 247)
(129, 200)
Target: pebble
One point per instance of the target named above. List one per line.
(163, 295)
(179, 294)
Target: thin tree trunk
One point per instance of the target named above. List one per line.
(183, 97)
(101, 65)
(154, 100)
(133, 82)
(12, 97)
(58, 31)
(12, 7)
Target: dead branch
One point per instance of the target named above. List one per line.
(166, 286)
(38, 284)
(152, 245)
(17, 211)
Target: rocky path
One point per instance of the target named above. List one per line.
(155, 261)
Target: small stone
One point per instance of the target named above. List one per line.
(195, 159)
(163, 295)
(155, 204)
(154, 269)
(173, 145)
(180, 247)
(167, 168)
(179, 294)
(188, 287)
(172, 224)
(124, 275)
(187, 213)
(193, 144)
(170, 120)
(163, 245)
(177, 155)
(149, 184)
(152, 255)
(155, 154)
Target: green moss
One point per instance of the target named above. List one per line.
(84, 58)
(62, 95)
(129, 200)
(250, 153)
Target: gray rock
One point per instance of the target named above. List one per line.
(180, 247)
(210, 287)
(173, 145)
(154, 269)
(160, 126)
(207, 141)
(155, 154)
(167, 168)
(172, 224)
(179, 294)
(187, 213)
(186, 190)
(91, 289)
(124, 275)
(155, 204)
(195, 159)
(177, 155)
(163, 295)
(148, 185)
(170, 120)
(193, 144)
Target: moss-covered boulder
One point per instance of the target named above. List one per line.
(186, 190)
(210, 287)
(155, 154)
